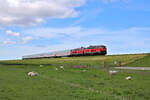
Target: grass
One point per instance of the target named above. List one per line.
(71, 84)
(88, 60)
(74, 84)
(145, 62)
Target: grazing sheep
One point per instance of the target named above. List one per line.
(32, 73)
(115, 62)
(113, 72)
(41, 65)
(128, 78)
(84, 70)
(62, 67)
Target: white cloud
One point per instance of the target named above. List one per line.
(11, 33)
(134, 37)
(19, 40)
(130, 40)
(53, 32)
(6, 42)
(26, 39)
(78, 32)
(32, 12)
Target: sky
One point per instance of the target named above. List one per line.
(41, 26)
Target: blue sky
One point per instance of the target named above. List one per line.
(30, 27)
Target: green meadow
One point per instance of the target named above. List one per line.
(84, 78)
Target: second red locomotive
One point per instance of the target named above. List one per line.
(91, 50)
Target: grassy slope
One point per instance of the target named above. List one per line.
(144, 62)
(88, 60)
(71, 84)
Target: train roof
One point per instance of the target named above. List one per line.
(46, 54)
(90, 47)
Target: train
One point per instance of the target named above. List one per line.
(83, 51)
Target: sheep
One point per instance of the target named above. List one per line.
(113, 72)
(115, 62)
(62, 67)
(84, 70)
(41, 65)
(128, 78)
(32, 73)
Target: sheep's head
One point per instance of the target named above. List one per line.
(128, 78)
(113, 72)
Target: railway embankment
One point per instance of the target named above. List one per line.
(130, 60)
(143, 62)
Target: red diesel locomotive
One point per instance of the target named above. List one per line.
(91, 50)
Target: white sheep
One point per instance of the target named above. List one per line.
(113, 72)
(128, 78)
(62, 67)
(115, 62)
(84, 70)
(32, 73)
(41, 65)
